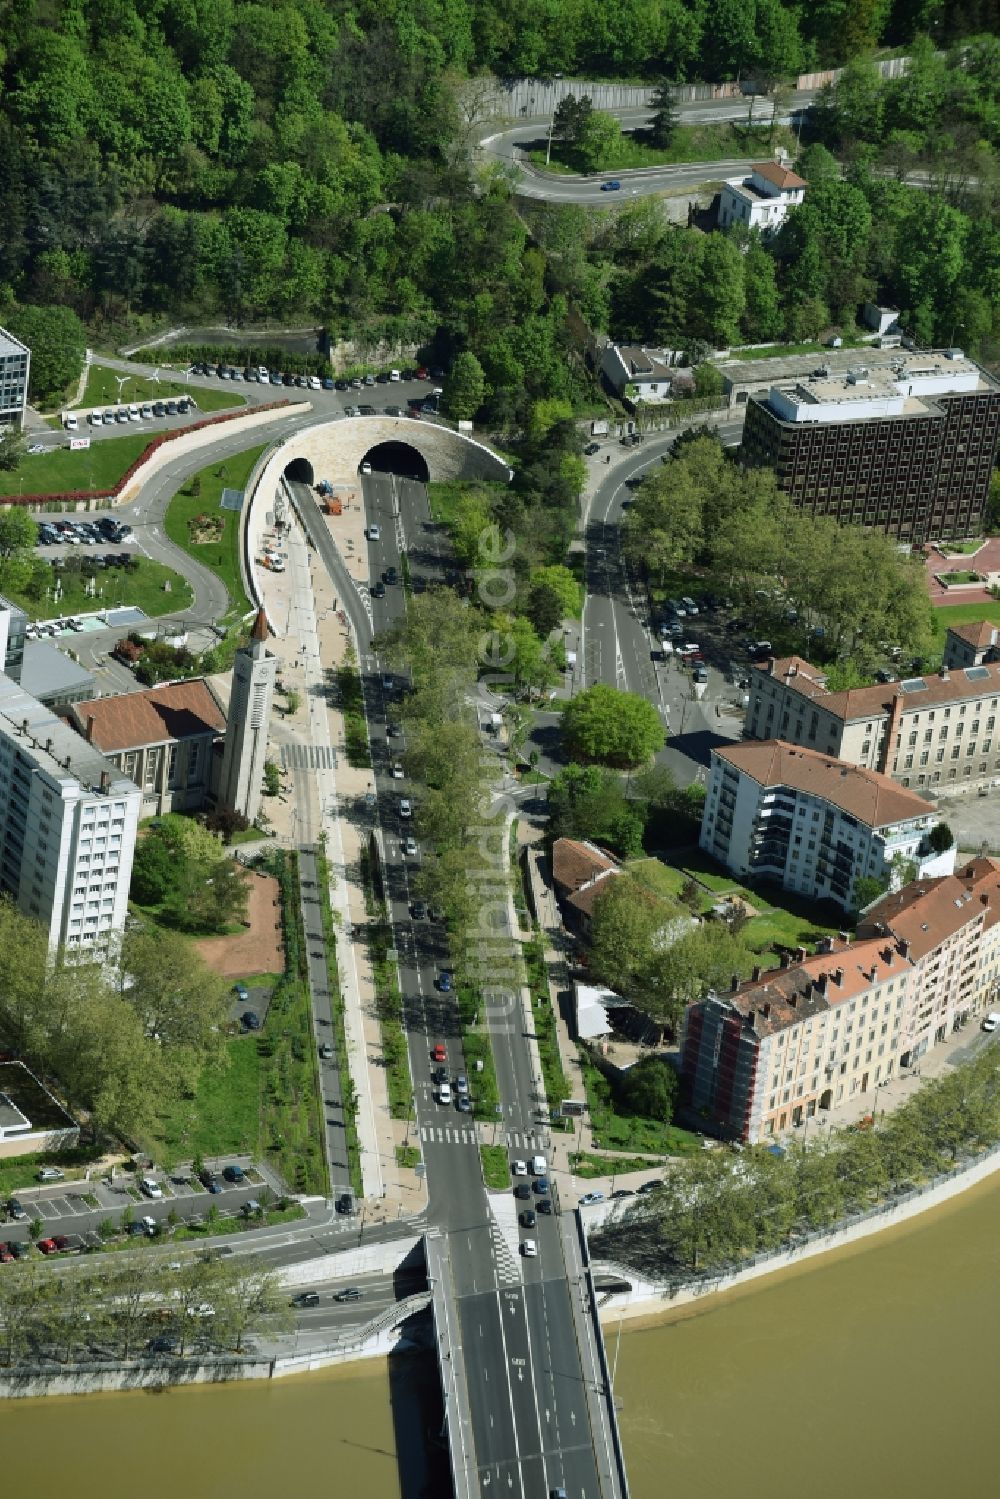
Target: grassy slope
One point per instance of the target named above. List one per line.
(102, 390)
(221, 556)
(144, 589)
(97, 467)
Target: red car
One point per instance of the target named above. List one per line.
(5, 1255)
(47, 1246)
(60, 1241)
(440, 1053)
(423, 374)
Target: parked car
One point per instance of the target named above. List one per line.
(443, 1094)
(250, 1020)
(234, 1174)
(591, 1197)
(242, 993)
(49, 1174)
(529, 1248)
(439, 1053)
(150, 1188)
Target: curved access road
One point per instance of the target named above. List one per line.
(507, 147)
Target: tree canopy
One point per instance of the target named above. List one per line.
(604, 725)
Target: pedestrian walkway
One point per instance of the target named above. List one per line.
(313, 640)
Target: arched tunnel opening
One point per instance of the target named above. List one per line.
(397, 458)
(300, 471)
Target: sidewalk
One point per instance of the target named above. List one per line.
(313, 644)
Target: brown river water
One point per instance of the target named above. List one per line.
(874, 1370)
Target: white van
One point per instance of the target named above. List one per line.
(96, 418)
(70, 422)
(394, 375)
(538, 1166)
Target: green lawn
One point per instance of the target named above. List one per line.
(963, 548)
(97, 467)
(223, 1116)
(690, 143)
(20, 1172)
(102, 390)
(662, 879)
(963, 614)
(143, 588)
(200, 496)
(588, 1166)
(965, 575)
(496, 1171)
(546, 1030)
(628, 1132)
(408, 1156)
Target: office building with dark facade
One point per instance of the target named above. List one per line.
(15, 367)
(906, 447)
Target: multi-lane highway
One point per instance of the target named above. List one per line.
(527, 1393)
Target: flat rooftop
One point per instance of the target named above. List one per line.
(24, 1095)
(52, 745)
(47, 671)
(9, 344)
(839, 362)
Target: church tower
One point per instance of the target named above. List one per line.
(254, 672)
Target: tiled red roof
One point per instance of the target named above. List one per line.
(179, 710)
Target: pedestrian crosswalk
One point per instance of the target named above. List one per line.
(308, 757)
(447, 1135)
(508, 1265)
(454, 1134)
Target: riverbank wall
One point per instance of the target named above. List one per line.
(647, 1297)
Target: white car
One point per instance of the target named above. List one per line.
(96, 418)
(151, 1188)
(374, 533)
(70, 422)
(366, 468)
(519, 1168)
(133, 413)
(443, 1094)
(149, 1224)
(689, 604)
(49, 1174)
(410, 848)
(397, 771)
(992, 1021)
(591, 1197)
(262, 373)
(405, 807)
(394, 375)
(529, 1249)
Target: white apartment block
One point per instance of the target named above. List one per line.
(923, 731)
(762, 200)
(813, 823)
(68, 822)
(804, 1039)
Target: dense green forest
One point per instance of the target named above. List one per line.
(308, 159)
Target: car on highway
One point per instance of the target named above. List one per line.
(589, 1198)
(378, 589)
(522, 1192)
(541, 1185)
(463, 1104)
(410, 848)
(529, 1248)
(326, 1052)
(439, 1053)
(366, 468)
(390, 576)
(519, 1168)
(443, 981)
(462, 1085)
(443, 1093)
(49, 1174)
(527, 1219)
(349, 1293)
(418, 910)
(405, 807)
(440, 1074)
(345, 1204)
(388, 681)
(611, 186)
(306, 1298)
(396, 770)
(374, 533)
(701, 674)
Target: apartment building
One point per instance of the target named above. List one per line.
(813, 823)
(762, 200)
(796, 1041)
(15, 367)
(806, 1038)
(934, 731)
(971, 645)
(906, 448)
(68, 822)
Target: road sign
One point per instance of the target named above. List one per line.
(570, 1108)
